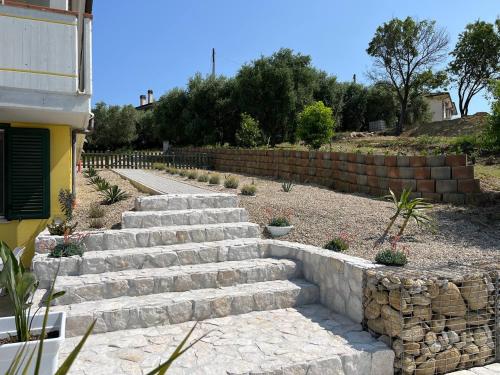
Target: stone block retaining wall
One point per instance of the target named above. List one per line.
(435, 324)
(445, 178)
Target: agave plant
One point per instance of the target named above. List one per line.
(102, 184)
(90, 172)
(96, 179)
(114, 194)
(287, 186)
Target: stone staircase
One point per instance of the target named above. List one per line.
(184, 258)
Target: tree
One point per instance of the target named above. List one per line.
(381, 104)
(403, 50)
(114, 127)
(493, 131)
(476, 60)
(354, 106)
(171, 115)
(213, 115)
(315, 125)
(148, 136)
(331, 93)
(249, 134)
(275, 89)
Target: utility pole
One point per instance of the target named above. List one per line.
(213, 62)
(354, 78)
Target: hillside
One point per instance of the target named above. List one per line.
(451, 128)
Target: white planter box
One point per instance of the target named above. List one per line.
(279, 231)
(56, 321)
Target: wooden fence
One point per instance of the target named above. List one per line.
(145, 160)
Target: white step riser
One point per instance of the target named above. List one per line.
(96, 262)
(185, 202)
(199, 306)
(145, 219)
(177, 281)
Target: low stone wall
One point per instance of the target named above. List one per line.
(435, 323)
(445, 178)
(340, 277)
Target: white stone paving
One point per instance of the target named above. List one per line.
(159, 184)
(493, 369)
(307, 340)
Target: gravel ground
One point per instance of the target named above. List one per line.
(86, 195)
(463, 235)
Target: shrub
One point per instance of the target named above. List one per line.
(214, 179)
(492, 134)
(249, 133)
(287, 186)
(159, 166)
(182, 172)
(315, 125)
(250, 190)
(58, 227)
(279, 221)
(66, 250)
(390, 257)
(90, 172)
(338, 244)
(96, 223)
(96, 211)
(231, 182)
(193, 174)
(114, 194)
(172, 170)
(203, 177)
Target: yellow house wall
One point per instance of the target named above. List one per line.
(23, 232)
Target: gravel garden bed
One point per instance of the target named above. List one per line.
(463, 235)
(87, 195)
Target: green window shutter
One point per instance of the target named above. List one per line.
(28, 174)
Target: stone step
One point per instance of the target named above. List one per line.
(94, 262)
(305, 340)
(177, 307)
(186, 202)
(158, 236)
(147, 219)
(173, 279)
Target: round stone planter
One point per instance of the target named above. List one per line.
(278, 231)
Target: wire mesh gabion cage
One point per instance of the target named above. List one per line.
(435, 323)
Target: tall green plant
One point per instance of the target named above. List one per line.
(407, 208)
(20, 284)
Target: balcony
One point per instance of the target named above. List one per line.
(42, 79)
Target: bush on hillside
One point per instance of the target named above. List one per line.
(249, 133)
(315, 125)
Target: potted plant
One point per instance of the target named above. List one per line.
(22, 331)
(279, 226)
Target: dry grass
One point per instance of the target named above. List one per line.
(86, 195)
(463, 234)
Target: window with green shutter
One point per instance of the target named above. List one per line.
(28, 174)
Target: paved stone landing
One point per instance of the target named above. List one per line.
(159, 184)
(306, 340)
(493, 369)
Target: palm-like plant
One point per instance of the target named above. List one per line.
(102, 185)
(90, 172)
(409, 209)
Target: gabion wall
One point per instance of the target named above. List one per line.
(434, 324)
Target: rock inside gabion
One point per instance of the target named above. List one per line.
(434, 324)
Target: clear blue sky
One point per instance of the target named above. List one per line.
(159, 44)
